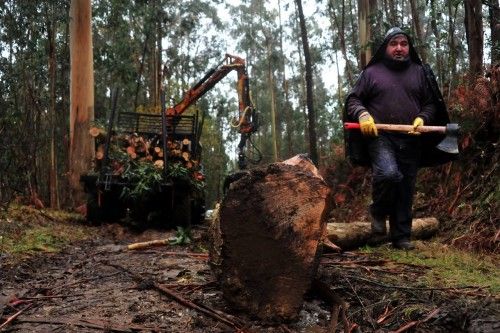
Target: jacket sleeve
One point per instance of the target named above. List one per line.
(354, 101)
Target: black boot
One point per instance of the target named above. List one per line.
(378, 225)
(403, 244)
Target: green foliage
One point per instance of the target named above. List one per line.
(25, 230)
(182, 236)
(448, 267)
(143, 179)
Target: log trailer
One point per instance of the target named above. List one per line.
(148, 169)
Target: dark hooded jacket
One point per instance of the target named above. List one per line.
(433, 111)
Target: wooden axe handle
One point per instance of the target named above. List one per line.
(400, 128)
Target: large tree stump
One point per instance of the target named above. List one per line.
(266, 238)
(355, 234)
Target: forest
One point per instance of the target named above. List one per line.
(302, 58)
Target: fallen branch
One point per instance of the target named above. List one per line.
(163, 289)
(417, 322)
(143, 245)
(83, 280)
(408, 287)
(36, 298)
(326, 243)
(105, 326)
(14, 316)
(339, 306)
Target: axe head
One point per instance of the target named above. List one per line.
(450, 142)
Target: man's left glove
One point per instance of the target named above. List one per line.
(416, 123)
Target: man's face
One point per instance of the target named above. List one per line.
(398, 48)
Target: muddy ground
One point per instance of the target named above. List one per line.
(93, 286)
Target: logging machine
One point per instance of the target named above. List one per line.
(127, 182)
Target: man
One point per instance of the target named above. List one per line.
(394, 88)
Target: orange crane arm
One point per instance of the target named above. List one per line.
(211, 78)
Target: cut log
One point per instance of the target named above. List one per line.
(131, 152)
(158, 164)
(144, 245)
(355, 234)
(266, 237)
(99, 154)
(95, 132)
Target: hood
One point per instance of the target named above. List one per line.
(380, 53)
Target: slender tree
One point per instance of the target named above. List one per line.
(287, 110)
(53, 182)
(474, 31)
(81, 143)
(415, 14)
(494, 18)
(366, 8)
(311, 115)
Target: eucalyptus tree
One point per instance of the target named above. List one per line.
(81, 145)
(30, 41)
(494, 24)
(473, 21)
(257, 35)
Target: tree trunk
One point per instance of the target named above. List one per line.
(437, 35)
(474, 32)
(418, 30)
(265, 238)
(81, 96)
(365, 10)
(270, 79)
(311, 114)
(452, 58)
(355, 234)
(494, 13)
(287, 110)
(342, 40)
(53, 181)
(159, 48)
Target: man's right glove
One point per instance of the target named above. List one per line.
(367, 124)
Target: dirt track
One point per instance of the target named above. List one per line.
(86, 289)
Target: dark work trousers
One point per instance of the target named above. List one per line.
(394, 159)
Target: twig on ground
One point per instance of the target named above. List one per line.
(144, 245)
(411, 324)
(370, 319)
(330, 245)
(14, 316)
(90, 323)
(36, 298)
(83, 280)
(163, 289)
(408, 287)
(330, 296)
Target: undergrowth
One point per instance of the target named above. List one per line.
(447, 266)
(25, 230)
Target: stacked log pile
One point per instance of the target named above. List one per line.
(126, 147)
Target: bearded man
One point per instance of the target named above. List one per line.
(394, 88)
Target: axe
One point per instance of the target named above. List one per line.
(448, 145)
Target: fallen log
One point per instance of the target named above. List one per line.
(265, 238)
(355, 234)
(143, 245)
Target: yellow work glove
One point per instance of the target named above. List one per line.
(416, 123)
(367, 124)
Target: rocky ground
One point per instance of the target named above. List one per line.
(98, 285)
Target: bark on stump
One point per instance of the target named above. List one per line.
(265, 238)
